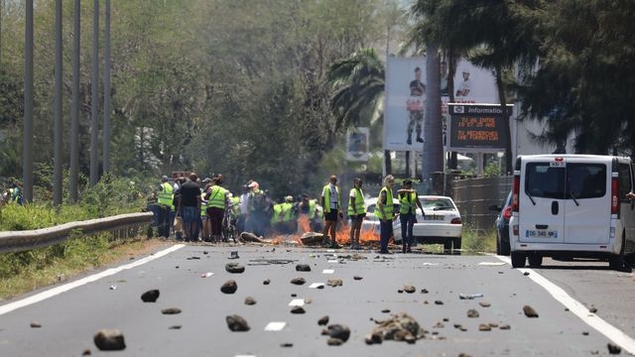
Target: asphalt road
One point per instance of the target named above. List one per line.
(190, 278)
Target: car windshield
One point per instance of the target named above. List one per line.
(436, 203)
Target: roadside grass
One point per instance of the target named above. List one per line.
(473, 242)
(22, 272)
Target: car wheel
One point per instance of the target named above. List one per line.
(498, 245)
(505, 248)
(618, 262)
(535, 260)
(456, 246)
(447, 246)
(518, 260)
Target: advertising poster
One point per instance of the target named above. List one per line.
(477, 127)
(357, 144)
(405, 103)
(406, 95)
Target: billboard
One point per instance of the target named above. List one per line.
(477, 127)
(405, 97)
(357, 144)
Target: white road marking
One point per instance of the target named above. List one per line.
(89, 279)
(316, 285)
(328, 271)
(611, 332)
(297, 302)
(275, 326)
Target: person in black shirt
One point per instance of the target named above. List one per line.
(190, 207)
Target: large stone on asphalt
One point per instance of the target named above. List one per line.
(400, 327)
(150, 295)
(323, 321)
(335, 282)
(229, 287)
(171, 311)
(298, 281)
(303, 267)
(339, 331)
(409, 289)
(234, 268)
(529, 311)
(236, 323)
(249, 300)
(109, 340)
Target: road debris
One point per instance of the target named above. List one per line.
(236, 323)
(171, 311)
(109, 340)
(150, 295)
(229, 287)
(234, 268)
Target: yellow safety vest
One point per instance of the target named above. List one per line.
(407, 202)
(165, 196)
(326, 193)
(387, 207)
(359, 208)
(217, 197)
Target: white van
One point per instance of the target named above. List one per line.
(567, 206)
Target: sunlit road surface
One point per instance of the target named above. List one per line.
(190, 278)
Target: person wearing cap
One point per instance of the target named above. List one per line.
(384, 211)
(288, 216)
(164, 201)
(408, 203)
(259, 209)
(332, 211)
(356, 211)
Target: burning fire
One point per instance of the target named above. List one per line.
(342, 234)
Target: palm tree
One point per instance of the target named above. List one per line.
(359, 83)
(487, 32)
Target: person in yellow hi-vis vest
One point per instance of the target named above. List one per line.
(356, 211)
(384, 211)
(408, 203)
(164, 200)
(331, 201)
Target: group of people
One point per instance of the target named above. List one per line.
(13, 195)
(201, 209)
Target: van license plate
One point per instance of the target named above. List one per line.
(541, 234)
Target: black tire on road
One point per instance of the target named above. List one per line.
(456, 246)
(535, 260)
(618, 262)
(518, 259)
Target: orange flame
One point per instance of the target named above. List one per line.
(342, 234)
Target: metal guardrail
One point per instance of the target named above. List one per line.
(17, 241)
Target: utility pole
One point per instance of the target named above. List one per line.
(27, 162)
(94, 101)
(74, 174)
(57, 109)
(107, 128)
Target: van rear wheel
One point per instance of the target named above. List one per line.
(618, 262)
(518, 260)
(535, 260)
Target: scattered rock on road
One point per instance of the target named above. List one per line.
(236, 323)
(297, 310)
(339, 331)
(614, 349)
(401, 327)
(471, 313)
(323, 321)
(250, 301)
(36, 324)
(409, 289)
(150, 295)
(266, 282)
(303, 267)
(334, 282)
(229, 287)
(529, 311)
(171, 311)
(109, 340)
(357, 277)
(298, 281)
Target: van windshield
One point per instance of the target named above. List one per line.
(573, 181)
